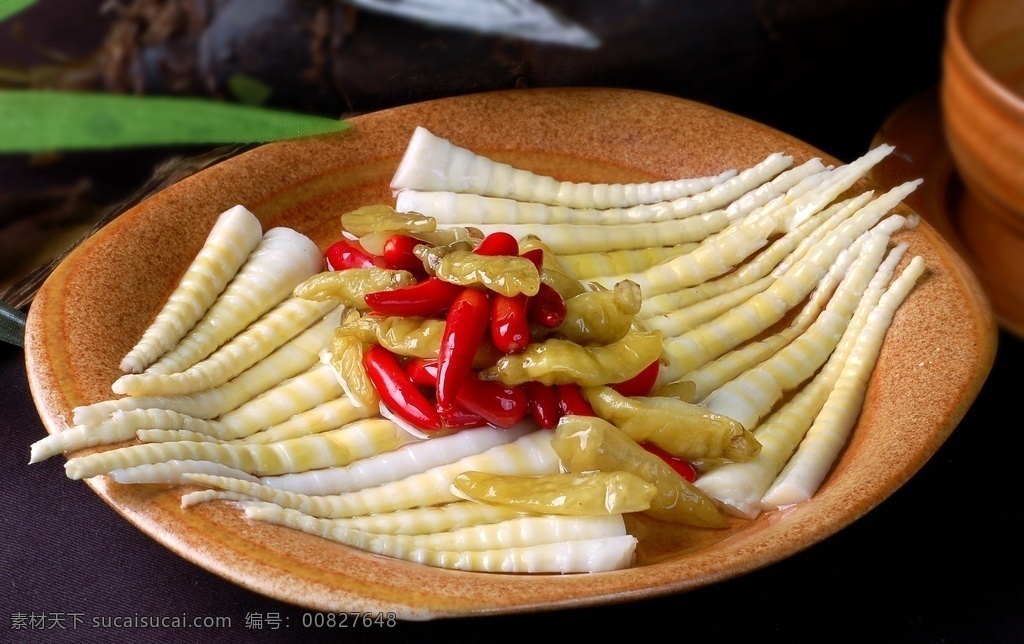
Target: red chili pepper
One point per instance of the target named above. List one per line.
(572, 402)
(542, 403)
(398, 392)
(347, 253)
(535, 255)
(547, 308)
(499, 243)
(458, 418)
(683, 468)
(398, 252)
(422, 371)
(510, 327)
(464, 329)
(640, 384)
(422, 299)
(499, 404)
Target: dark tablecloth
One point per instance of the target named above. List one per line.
(939, 561)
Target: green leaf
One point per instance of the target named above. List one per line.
(10, 7)
(46, 121)
(249, 90)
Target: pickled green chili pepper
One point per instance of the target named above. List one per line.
(539, 252)
(569, 494)
(351, 286)
(566, 285)
(601, 317)
(345, 356)
(381, 218)
(556, 362)
(587, 444)
(685, 390)
(430, 255)
(360, 326)
(412, 337)
(682, 429)
(500, 273)
(466, 235)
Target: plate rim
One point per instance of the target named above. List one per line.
(606, 587)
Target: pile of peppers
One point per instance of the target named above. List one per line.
(492, 302)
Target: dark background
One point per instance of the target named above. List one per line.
(939, 561)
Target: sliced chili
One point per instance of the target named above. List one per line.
(547, 308)
(422, 371)
(497, 243)
(498, 404)
(399, 253)
(459, 418)
(542, 403)
(426, 298)
(397, 390)
(348, 253)
(535, 255)
(510, 326)
(683, 468)
(571, 401)
(641, 384)
(467, 322)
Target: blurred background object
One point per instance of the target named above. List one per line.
(333, 57)
(965, 138)
(982, 101)
(798, 65)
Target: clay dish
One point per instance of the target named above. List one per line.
(982, 99)
(936, 356)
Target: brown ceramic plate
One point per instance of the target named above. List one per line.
(86, 317)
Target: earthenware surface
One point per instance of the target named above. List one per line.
(982, 104)
(936, 356)
(993, 251)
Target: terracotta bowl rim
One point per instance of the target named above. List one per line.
(959, 52)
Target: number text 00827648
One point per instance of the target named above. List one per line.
(349, 620)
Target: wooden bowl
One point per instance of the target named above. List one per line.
(938, 352)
